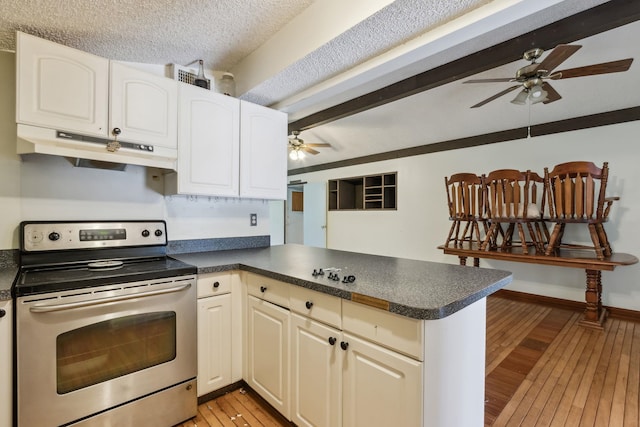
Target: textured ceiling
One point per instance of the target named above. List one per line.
(221, 32)
(392, 26)
(390, 41)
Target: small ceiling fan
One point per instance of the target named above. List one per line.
(533, 78)
(297, 146)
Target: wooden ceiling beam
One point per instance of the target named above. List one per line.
(604, 17)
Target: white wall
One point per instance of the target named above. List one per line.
(9, 160)
(40, 187)
(421, 222)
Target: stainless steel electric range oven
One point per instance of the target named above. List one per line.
(105, 326)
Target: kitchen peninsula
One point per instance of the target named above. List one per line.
(404, 340)
(431, 316)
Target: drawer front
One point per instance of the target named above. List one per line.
(210, 284)
(390, 330)
(268, 289)
(316, 305)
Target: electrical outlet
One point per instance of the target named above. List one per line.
(253, 219)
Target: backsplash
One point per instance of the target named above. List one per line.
(217, 244)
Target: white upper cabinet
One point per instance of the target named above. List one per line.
(208, 144)
(263, 152)
(61, 87)
(143, 106)
(228, 147)
(65, 89)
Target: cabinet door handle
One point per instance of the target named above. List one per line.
(308, 304)
(263, 289)
(4, 313)
(344, 345)
(216, 284)
(332, 340)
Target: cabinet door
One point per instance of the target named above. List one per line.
(316, 374)
(143, 106)
(214, 343)
(263, 152)
(61, 88)
(380, 387)
(6, 366)
(208, 142)
(268, 352)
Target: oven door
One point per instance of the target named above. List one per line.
(85, 351)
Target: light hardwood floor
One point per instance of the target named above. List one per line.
(542, 369)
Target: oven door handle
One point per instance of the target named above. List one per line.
(70, 305)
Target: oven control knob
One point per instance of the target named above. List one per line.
(158, 233)
(54, 236)
(145, 233)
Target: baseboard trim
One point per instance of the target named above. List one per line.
(614, 312)
(220, 392)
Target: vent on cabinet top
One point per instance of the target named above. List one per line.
(186, 75)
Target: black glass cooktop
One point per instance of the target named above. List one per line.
(40, 280)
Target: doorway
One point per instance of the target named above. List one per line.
(306, 214)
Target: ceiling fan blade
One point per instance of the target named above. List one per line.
(591, 70)
(496, 96)
(557, 56)
(310, 150)
(552, 94)
(317, 144)
(496, 80)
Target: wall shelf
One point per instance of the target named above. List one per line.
(371, 192)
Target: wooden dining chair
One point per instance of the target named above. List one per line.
(515, 204)
(576, 193)
(466, 209)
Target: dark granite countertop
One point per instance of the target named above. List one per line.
(417, 289)
(8, 272)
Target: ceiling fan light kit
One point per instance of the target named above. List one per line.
(296, 154)
(533, 78)
(521, 98)
(298, 148)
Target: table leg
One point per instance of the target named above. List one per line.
(594, 314)
(463, 261)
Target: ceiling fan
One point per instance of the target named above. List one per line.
(532, 78)
(297, 146)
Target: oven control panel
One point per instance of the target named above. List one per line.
(47, 236)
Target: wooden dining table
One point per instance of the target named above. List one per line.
(594, 314)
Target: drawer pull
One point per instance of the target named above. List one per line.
(263, 289)
(216, 284)
(308, 304)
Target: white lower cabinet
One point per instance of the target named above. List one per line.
(214, 343)
(379, 387)
(339, 379)
(316, 373)
(268, 352)
(6, 366)
(214, 332)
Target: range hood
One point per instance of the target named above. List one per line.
(33, 139)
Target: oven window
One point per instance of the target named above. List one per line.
(113, 348)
